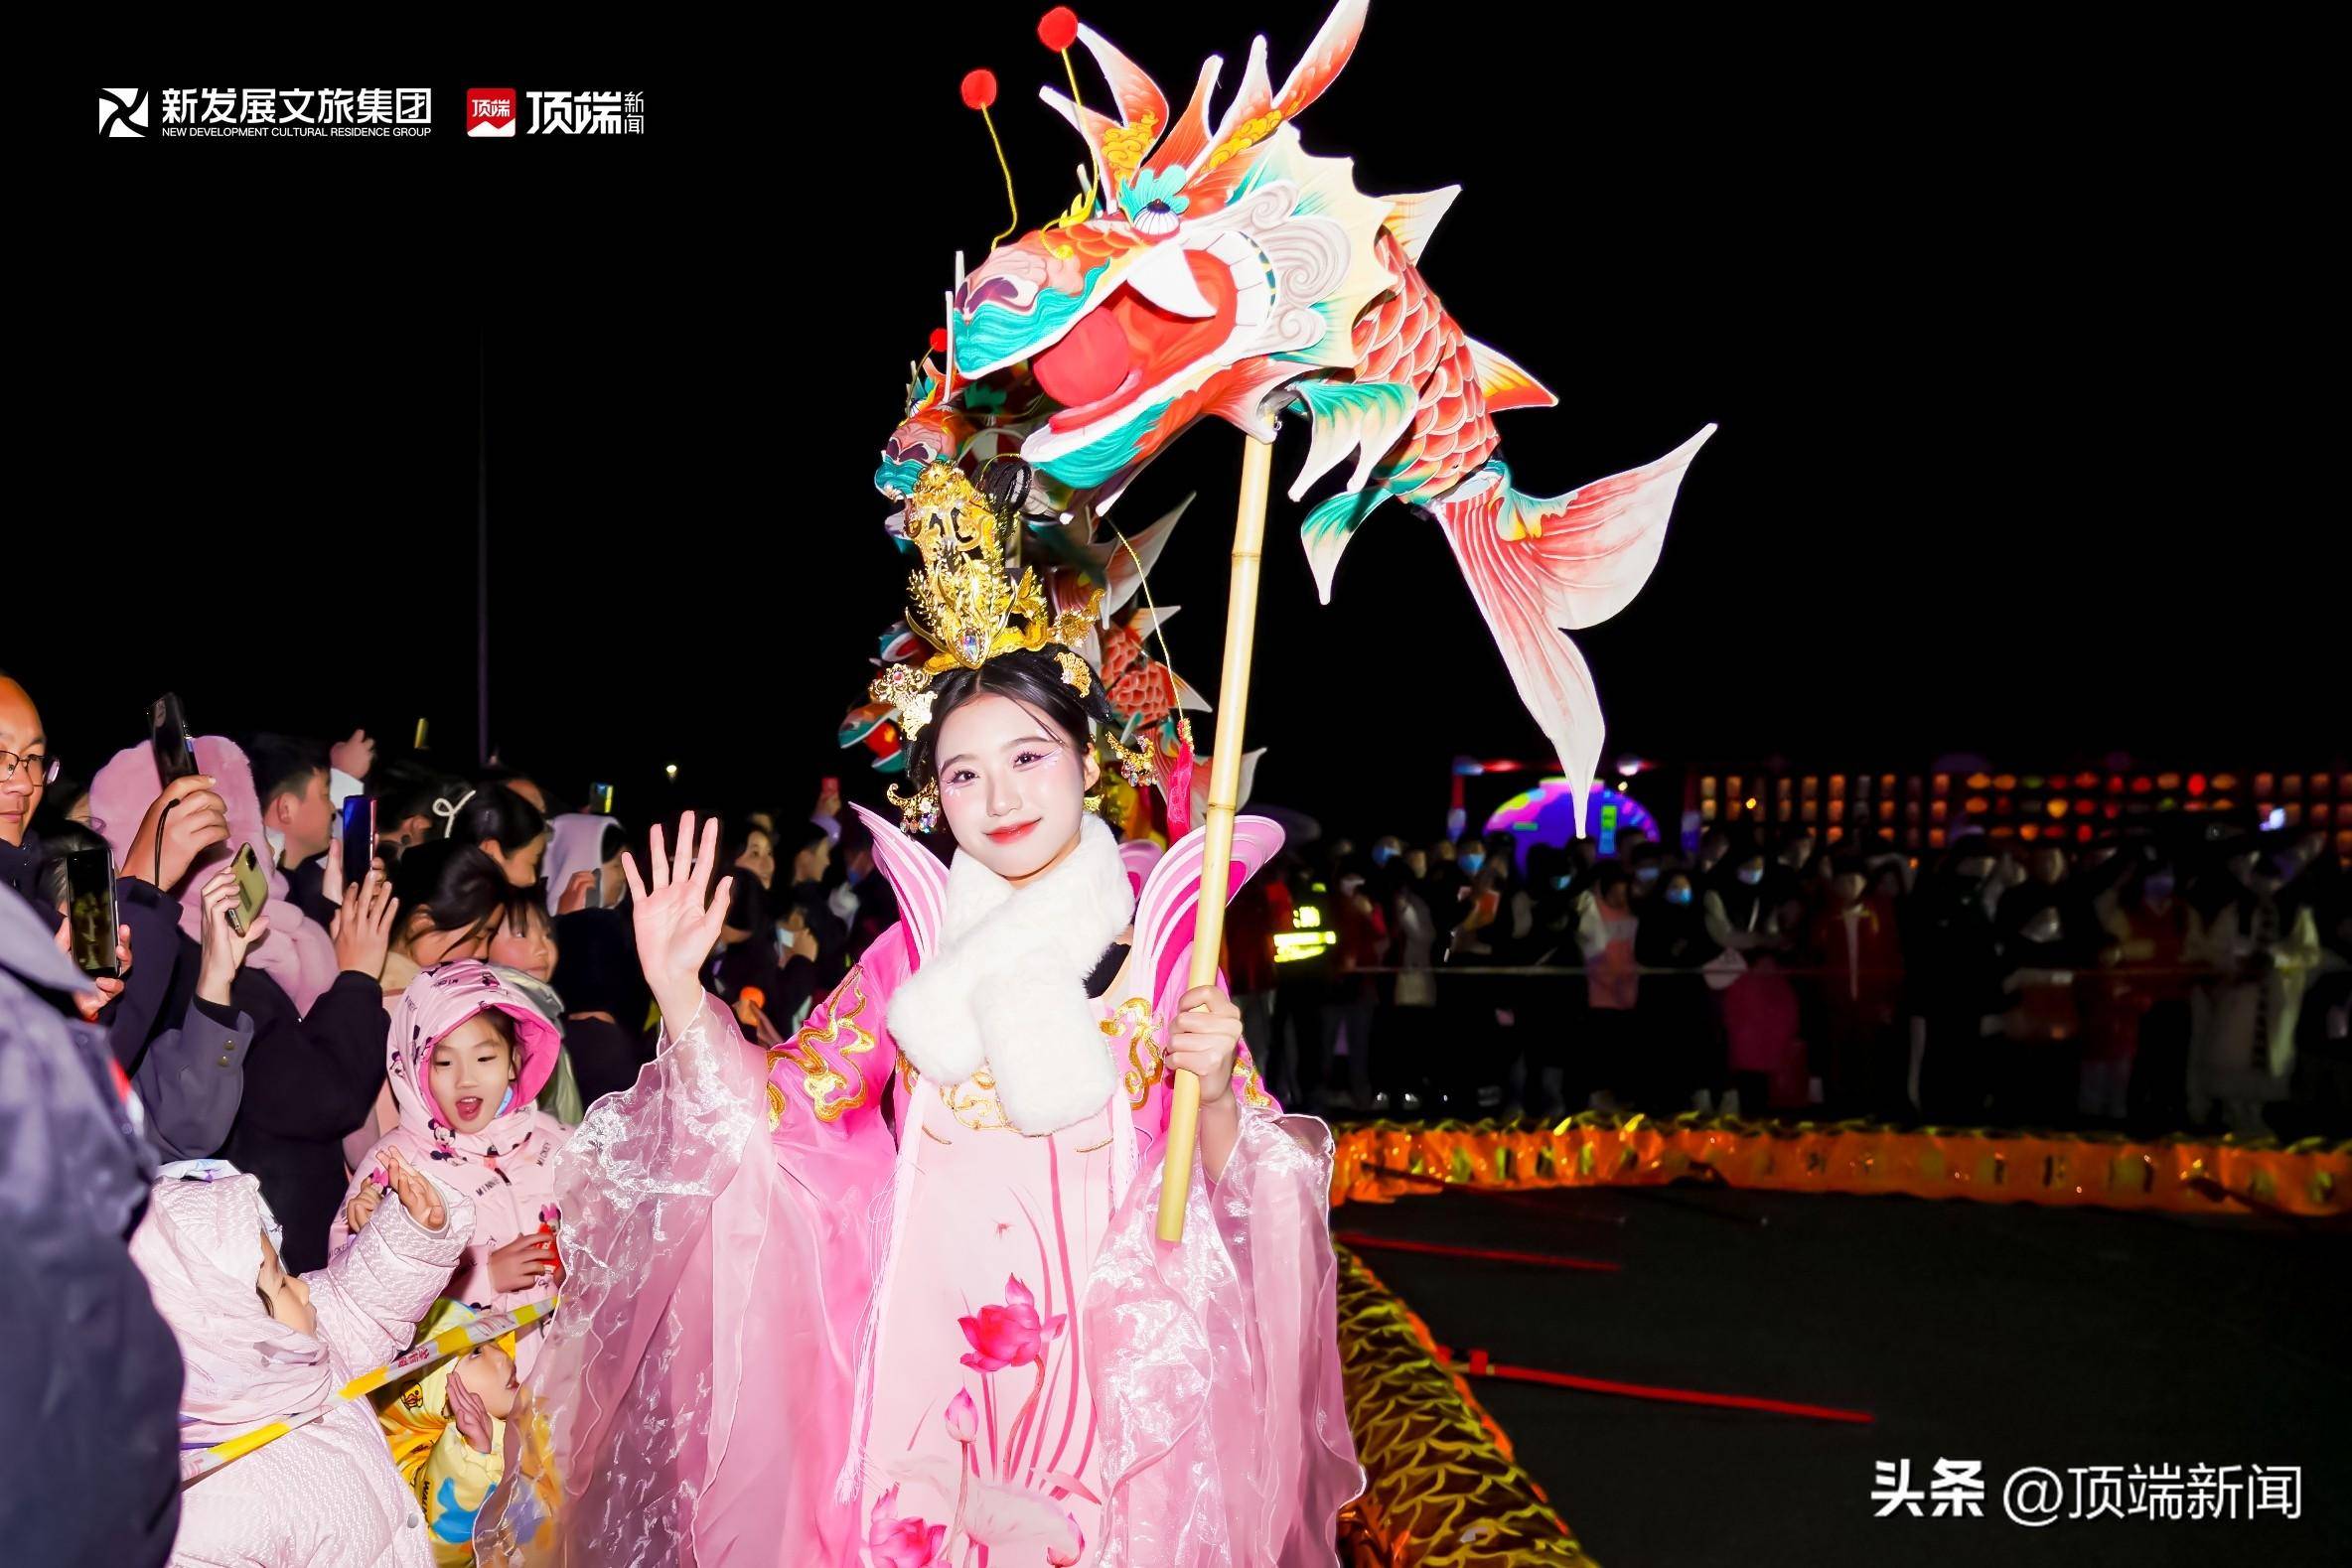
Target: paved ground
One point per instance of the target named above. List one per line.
(2015, 1335)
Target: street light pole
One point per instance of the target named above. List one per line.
(480, 551)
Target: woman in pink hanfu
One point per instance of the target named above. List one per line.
(927, 1320)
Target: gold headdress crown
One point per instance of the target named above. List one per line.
(969, 606)
(963, 602)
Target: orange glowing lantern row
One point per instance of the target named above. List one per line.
(1378, 1162)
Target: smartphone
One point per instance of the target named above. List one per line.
(252, 888)
(359, 838)
(89, 885)
(600, 799)
(167, 728)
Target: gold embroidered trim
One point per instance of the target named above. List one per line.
(829, 1090)
(1250, 1083)
(975, 1104)
(1145, 1068)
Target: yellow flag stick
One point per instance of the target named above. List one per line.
(425, 1352)
(1225, 786)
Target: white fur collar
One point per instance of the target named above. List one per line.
(1005, 988)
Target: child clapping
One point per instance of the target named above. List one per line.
(262, 1346)
(447, 1432)
(467, 1057)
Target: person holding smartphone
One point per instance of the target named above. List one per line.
(147, 1008)
(314, 995)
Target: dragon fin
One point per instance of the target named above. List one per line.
(1504, 384)
(1330, 526)
(1365, 417)
(1411, 219)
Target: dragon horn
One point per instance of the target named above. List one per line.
(1190, 137)
(1138, 98)
(1334, 42)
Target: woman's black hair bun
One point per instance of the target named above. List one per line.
(1005, 482)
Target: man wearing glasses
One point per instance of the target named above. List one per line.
(26, 768)
(185, 1052)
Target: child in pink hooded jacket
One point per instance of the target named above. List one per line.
(468, 1055)
(263, 1346)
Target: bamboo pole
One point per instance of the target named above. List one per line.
(1225, 786)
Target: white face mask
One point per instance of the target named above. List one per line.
(2044, 929)
(1751, 877)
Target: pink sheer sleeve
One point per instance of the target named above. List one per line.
(694, 1384)
(1217, 1374)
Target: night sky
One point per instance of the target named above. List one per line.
(2002, 468)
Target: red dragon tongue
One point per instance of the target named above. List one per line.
(1131, 343)
(1087, 364)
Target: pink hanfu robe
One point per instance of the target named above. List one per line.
(897, 1338)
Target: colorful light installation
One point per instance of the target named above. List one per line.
(1545, 815)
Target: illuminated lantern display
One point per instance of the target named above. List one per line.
(2025, 806)
(1546, 815)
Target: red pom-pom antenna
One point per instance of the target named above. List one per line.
(979, 91)
(1056, 30)
(939, 340)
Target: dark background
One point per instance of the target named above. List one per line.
(2005, 335)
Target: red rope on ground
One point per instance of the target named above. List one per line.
(1362, 1242)
(1478, 1367)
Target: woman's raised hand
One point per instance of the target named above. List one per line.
(677, 918)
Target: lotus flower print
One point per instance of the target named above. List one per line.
(1010, 1334)
(907, 1542)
